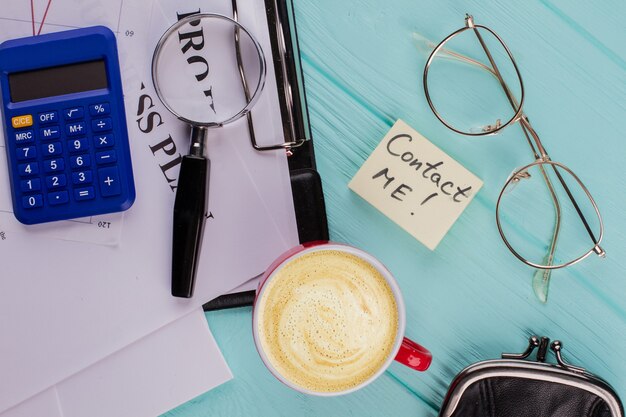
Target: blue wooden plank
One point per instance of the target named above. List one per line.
(470, 299)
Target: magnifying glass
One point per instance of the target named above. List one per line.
(197, 69)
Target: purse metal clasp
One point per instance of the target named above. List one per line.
(542, 345)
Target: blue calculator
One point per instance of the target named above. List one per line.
(65, 126)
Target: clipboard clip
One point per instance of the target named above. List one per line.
(287, 145)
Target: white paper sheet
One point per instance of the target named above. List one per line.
(80, 302)
(44, 404)
(155, 374)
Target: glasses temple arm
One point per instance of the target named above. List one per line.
(597, 249)
(496, 71)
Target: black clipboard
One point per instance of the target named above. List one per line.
(306, 185)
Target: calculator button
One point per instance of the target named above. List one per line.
(81, 194)
(31, 168)
(100, 109)
(75, 129)
(81, 161)
(82, 177)
(50, 132)
(25, 120)
(59, 197)
(33, 184)
(48, 117)
(54, 165)
(52, 149)
(109, 181)
(104, 141)
(29, 152)
(107, 157)
(24, 136)
(56, 181)
(78, 145)
(73, 113)
(102, 125)
(32, 201)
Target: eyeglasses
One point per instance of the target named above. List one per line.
(472, 75)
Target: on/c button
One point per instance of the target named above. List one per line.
(22, 121)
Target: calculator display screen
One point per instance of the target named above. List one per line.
(56, 81)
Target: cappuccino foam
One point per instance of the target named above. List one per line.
(327, 321)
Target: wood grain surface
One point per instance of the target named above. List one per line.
(470, 299)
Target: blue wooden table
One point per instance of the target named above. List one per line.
(470, 299)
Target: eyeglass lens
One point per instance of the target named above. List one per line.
(463, 86)
(539, 220)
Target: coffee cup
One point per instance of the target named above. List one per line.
(328, 319)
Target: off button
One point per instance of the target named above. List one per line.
(48, 117)
(22, 121)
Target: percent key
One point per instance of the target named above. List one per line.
(99, 109)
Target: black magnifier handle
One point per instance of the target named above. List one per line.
(190, 211)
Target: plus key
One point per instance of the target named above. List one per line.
(109, 179)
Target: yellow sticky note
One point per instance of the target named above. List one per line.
(415, 184)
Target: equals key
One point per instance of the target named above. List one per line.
(81, 194)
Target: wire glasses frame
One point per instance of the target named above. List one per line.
(542, 160)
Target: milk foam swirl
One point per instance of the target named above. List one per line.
(327, 321)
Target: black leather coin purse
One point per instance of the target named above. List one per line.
(515, 387)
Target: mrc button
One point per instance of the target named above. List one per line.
(24, 136)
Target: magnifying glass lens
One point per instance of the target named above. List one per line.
(197, 70)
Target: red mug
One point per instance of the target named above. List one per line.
(404, 350)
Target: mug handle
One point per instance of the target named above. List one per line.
(414, 355)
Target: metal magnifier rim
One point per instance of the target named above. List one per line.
(253, 97)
